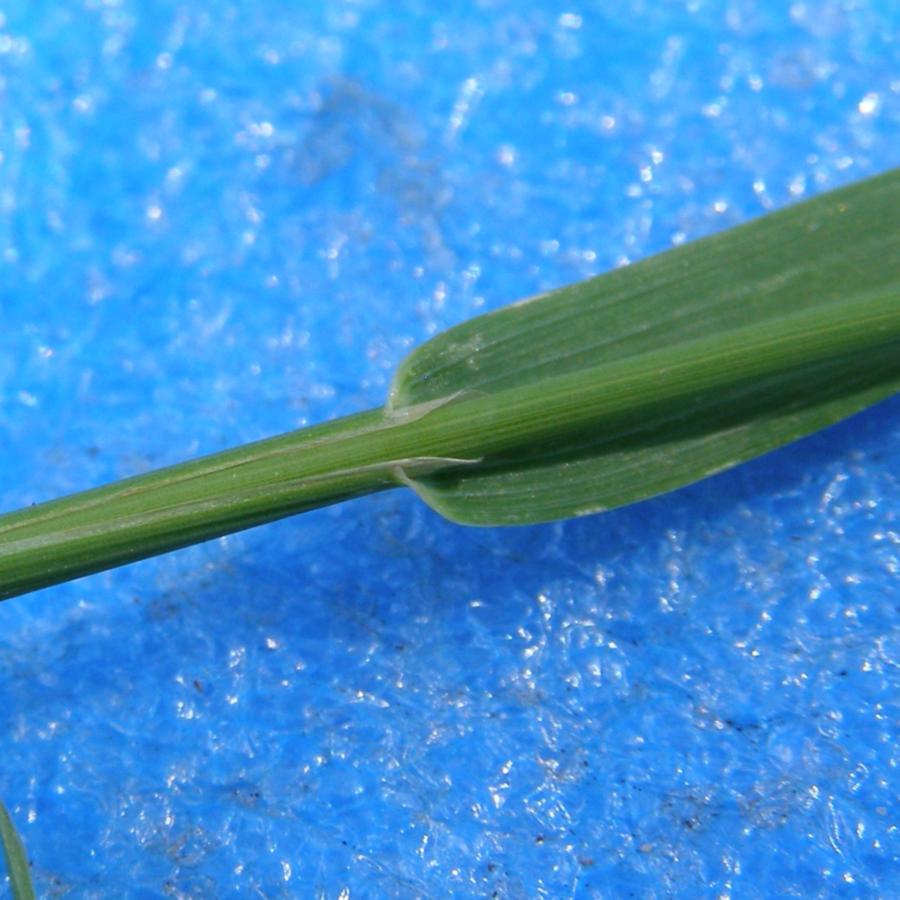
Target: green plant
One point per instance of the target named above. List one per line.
(16, 860)
(599, 394)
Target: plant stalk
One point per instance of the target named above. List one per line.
(226, 492)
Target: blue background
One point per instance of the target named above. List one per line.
(220, 221)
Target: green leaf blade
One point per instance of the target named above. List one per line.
(756, 297)
(16, 859)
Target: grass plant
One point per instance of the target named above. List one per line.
(596, 395)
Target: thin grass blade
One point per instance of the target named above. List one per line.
(16, 860)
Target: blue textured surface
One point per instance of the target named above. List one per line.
(219, 221)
